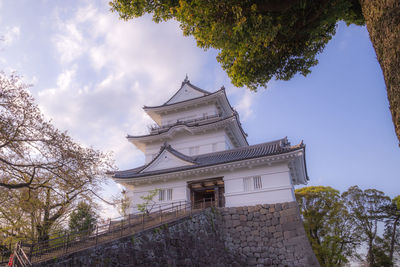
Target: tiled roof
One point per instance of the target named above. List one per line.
(280, 146)
(190, 124)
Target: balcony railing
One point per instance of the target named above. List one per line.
(157, 128)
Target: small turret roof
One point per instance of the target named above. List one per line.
(185, 82)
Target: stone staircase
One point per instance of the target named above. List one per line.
(115, 229)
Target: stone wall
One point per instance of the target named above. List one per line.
(263, 235)
(190, 241)
(268, 235)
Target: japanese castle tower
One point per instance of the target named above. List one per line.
(198, 151)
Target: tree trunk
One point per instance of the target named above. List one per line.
(392, 241)
(383, 23)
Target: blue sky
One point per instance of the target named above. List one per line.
(92, 73)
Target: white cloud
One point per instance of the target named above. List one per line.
(244, 107)
(64, 80)
(11, 34)
(126, 65)
(69, 42)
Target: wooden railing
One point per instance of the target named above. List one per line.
(66, 243)
(19, 257)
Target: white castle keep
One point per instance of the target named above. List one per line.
(198, 152)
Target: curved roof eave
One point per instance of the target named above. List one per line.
(172, 105)
(137, 171)
(177, 126)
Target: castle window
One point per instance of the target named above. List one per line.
(257, 182)
(252, 183)
(165, 194)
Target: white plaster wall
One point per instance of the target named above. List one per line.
(179, 193)
(276, 187)
(228, 143)
(207, 143)
(189, 114)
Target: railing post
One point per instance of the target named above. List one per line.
(122, 224)
(160, 212)
(66, 243)
(143, 221)
(97, 233)
(31, 252)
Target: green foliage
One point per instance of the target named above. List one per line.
(391, 240)
(82, 218)
(368, 209)
(396, 201)
(148, 201)
(327, 224)
(256, 40)
(338, 224)
(123, 203)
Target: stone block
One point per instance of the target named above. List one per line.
(272, 209)
(275, 221)
(278, 206)
(277, 234)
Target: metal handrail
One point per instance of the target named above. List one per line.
(74, 241)
(19, 257)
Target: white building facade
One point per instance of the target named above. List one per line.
(198, 152)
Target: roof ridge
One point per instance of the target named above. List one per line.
(167, 147)
(180, 154)
(241, 148)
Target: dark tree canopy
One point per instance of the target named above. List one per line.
(83, 218)
(261, 40)
(257, 40)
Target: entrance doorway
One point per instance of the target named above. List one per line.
(207, 193)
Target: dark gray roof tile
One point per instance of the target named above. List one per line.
(280, 146)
